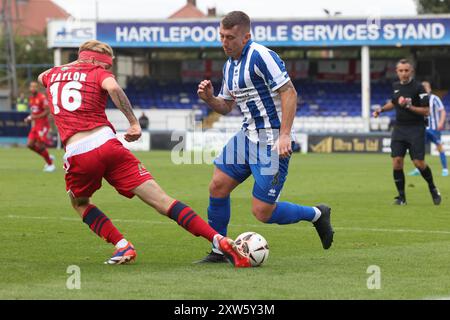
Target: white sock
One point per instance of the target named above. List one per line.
(121, 244)
(317, 216)
(215, 244)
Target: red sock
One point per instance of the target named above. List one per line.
(46, 156)
(101, 225)
(43, 153)
(188, 219)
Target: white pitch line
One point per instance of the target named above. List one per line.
(436, 298)
(244, 225)
(79, 219)
(394, 230)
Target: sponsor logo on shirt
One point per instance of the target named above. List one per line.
(272, 193)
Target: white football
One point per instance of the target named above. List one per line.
(254, 246)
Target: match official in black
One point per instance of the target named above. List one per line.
(411, 103)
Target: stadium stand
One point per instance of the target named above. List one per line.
(145, 93)
(322, 106)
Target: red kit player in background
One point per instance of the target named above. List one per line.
(78, 94)
(38, 136)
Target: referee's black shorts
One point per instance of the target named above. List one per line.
(410, 138)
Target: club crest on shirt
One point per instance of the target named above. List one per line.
(142, 170)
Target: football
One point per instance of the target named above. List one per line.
(254, 246)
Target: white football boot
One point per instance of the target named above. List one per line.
(50, 167)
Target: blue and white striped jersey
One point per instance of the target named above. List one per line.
(436, 106)
(252, 82)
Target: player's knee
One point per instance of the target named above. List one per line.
(398, 164)
(261, 213)
(218, 189)
(420, 165)
(79, 203)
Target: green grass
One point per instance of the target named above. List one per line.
(42, 236)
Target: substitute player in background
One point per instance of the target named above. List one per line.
(78, 94)
(40, 126)
(411, 103)
(255, 79)
(436, 123)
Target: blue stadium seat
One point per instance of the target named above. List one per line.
(315, 98)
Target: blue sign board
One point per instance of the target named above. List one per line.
(12, 124)
(302, 33)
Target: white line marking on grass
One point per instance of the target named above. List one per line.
(394, 230)
(34, 218)
(243, 225)
(436, 298)
(79, 219)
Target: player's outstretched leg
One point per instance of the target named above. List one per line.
(289, 213)
(99, 223)
(151, 193)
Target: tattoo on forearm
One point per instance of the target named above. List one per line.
(286, 87)
(124, 105)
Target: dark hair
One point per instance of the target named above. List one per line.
(405, 61)
(236, 18)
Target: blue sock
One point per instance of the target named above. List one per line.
(443, 160)
(219, 212)
(287, 213)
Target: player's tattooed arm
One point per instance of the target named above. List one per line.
(120, 99)
(288, 96)
(286, 87)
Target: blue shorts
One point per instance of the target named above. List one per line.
(433, 136)
(241, 158)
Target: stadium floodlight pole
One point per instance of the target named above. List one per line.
(57, 57)
(10, 48)
(365, 87)
(96, 10)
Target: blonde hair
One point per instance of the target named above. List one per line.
(97, 46)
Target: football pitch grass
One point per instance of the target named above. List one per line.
(42, 236)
